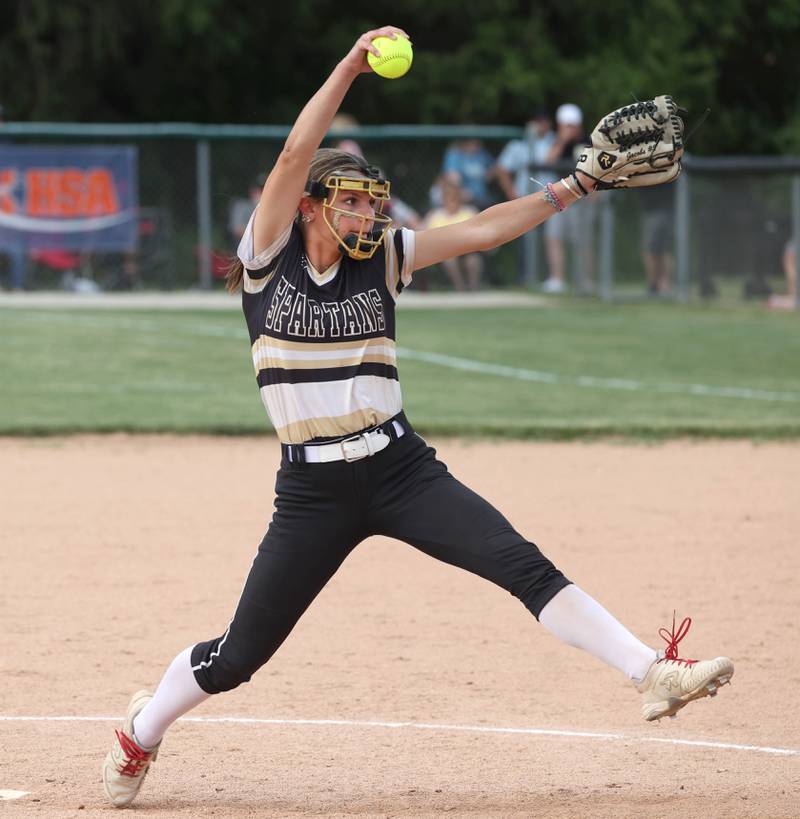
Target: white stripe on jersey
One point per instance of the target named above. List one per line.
(326, 409)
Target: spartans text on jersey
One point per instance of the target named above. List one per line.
(293, 313)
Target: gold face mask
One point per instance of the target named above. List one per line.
(360, 244)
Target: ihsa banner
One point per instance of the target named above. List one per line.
(75, 198)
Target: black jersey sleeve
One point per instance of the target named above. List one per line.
(400, 251)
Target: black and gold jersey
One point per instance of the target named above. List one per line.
(323, 344)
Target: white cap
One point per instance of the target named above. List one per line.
(569, 114)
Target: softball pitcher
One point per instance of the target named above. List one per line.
(320, 269)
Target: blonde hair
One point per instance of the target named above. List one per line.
(326, 161)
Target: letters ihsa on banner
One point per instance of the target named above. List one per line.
(76, 198)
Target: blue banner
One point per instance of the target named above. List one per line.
(72, 198)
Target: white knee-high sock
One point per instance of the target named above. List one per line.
(177, 693)
(580, 621)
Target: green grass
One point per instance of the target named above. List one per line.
(104, 370)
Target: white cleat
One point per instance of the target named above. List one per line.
(554, 286)
(126, 765)
(671, 682)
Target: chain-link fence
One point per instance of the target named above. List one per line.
(726, 226)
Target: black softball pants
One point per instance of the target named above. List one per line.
(323, 511)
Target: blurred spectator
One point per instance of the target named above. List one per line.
(570, 135)
(463, 271)
(128, 275)
(350, 146)
(520, 154)
(516, 166)
(575, 224)
(403, 215)
(790, 269)
(242, 208)
(469, 164)
(343, 122)
(657, 237)
(789, 263)
(16, 252)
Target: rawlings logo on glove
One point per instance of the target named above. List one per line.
(638, 145)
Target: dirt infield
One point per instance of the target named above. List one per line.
(120, 551)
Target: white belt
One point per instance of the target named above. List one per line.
(350, 449)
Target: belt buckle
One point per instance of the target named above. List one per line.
(356, 457)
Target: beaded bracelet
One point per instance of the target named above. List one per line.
(551, 197)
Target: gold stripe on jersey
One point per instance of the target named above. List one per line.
(331, 427)
(269, 353)
(266, 361)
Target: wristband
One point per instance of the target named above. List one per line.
(570, 186)
(578, 183)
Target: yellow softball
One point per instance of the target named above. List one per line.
(395, 59)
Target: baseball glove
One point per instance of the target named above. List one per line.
(638, 145)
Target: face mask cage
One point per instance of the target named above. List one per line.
(358, 244)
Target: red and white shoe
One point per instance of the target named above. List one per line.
(126, 765)
(672, 682)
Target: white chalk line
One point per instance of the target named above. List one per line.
(442, 727)
(6, 795)
(595, 382)
(458, 363)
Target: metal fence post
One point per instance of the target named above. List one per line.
(530, 257)
(682, 235)
(606, 247)
(796, 237)
(204, 213)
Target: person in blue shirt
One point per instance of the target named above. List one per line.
(471, 165)
(519, 162)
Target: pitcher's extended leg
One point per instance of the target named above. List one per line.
(579, 620)
(177, 693)
(315, 526)
(439, 515)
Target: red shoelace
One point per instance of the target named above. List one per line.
(672, 638)
(135, 757)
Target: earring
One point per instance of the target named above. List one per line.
(306, 218)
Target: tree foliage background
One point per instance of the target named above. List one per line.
(487, 62)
